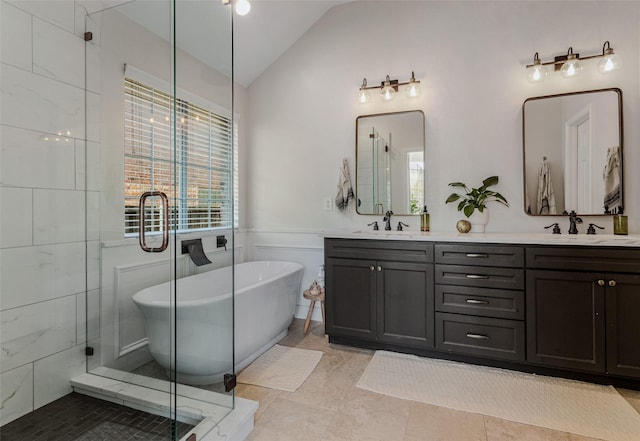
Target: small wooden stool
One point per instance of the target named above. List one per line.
(313, 300)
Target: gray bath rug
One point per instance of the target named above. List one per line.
(586, 409)
(281, 367)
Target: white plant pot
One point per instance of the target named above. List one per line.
(479, 220)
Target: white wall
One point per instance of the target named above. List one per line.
(470, 58)
(44, 196)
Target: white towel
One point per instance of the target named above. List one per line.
(546, 199)
(345, 190)
(611, 176)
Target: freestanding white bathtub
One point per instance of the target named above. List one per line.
(265, 302)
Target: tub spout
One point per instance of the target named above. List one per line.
(196, 252)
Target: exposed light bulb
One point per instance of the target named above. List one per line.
(538, 72)
(413, 89)
(572, 66)
(363, 96)
(243, 7)
(609, 62)
(387, 90)
(363, 93)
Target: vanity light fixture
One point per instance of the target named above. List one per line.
(389, 88)
(242, 7)
(570, 64)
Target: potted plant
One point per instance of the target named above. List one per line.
(476, 199)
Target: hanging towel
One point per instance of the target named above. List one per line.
(612, 179)
(345, 190)
(546, 199)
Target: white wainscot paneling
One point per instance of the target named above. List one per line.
(58, 54)
(41, 104)
(15, 217)
(36, 331)
(52, 375)
(51, 163)
(17, 393)
(308, 255)
(15, 35)
(59, 12)
(59, 216)
(36, 274)
(128, 280)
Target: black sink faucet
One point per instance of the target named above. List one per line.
(573, 220)
(387, 219)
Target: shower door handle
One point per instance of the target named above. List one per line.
(165, 221)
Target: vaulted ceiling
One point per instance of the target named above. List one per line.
(260, 37)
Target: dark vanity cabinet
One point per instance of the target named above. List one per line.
(572, 310)
(583, 309)
(380, 291)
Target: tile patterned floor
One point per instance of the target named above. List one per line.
(329, 407)
(77, 417)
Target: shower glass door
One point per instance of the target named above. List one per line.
(160, 155)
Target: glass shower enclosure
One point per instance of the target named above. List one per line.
(159, 163)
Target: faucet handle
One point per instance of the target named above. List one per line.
(375, 225)
(592, 230)
(556, 228)
(400, 224)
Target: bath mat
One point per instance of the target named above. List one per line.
(281, 367)
(586, 409)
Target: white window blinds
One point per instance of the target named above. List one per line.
(197, 177)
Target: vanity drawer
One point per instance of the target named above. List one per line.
(487, 337)
(480, 255)
(480, 276)
(584, 258)
(486, 302)
(389, 250)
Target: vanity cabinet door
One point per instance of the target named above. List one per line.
(405, 299)
(623, 324)
(565, 319)
(351, 297)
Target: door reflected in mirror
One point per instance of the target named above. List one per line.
(572, 151)
(390, 163)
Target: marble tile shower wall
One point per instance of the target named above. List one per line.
(45, 240)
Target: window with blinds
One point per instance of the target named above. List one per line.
(197, 177)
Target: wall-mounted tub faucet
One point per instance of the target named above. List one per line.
(194, 248)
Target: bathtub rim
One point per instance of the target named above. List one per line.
(140, 298)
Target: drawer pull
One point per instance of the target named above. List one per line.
(478, 336)
(476, 276)
(477, 255)
(477, 302)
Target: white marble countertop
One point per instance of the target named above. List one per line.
(500, 238)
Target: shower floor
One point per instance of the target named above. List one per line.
(77, 417)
